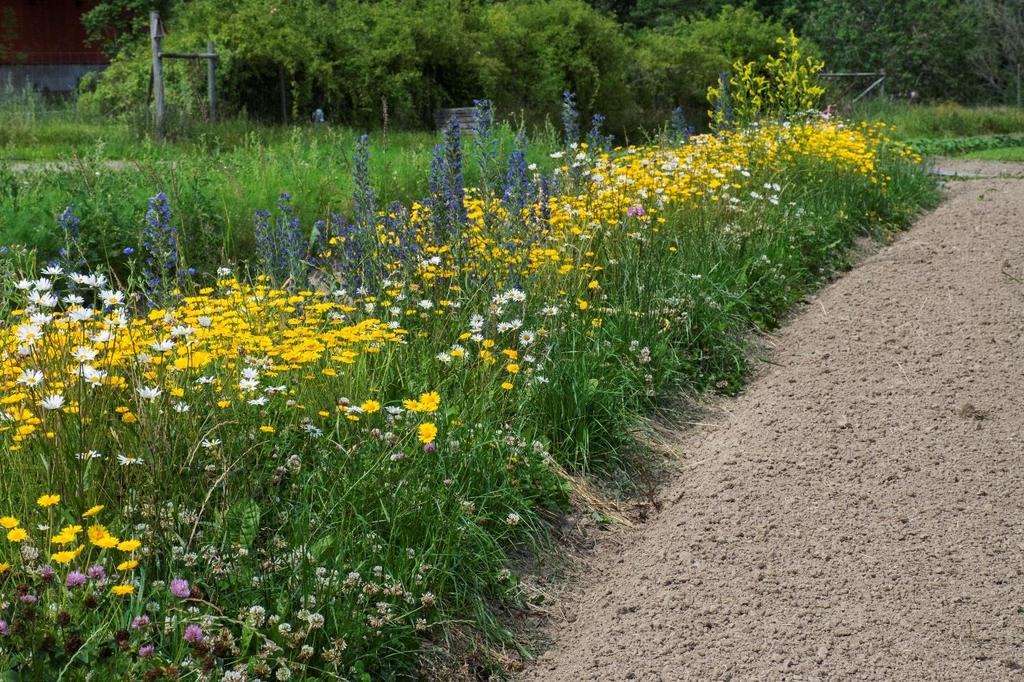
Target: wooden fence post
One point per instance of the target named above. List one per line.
(211, 78)
(155, 32)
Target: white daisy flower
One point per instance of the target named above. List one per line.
(52, 402)
(92, 375)
(162, 346)
(84, 354)
(30, 377)
(248, 384)
(149, 392)
(111, 297)
(43, 300)
(81, 314)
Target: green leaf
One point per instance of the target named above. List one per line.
(320, 548)
(242, 522)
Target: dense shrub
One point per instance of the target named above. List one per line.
(530, 52)
(674, 66)
(351, 58)
(923, 45)
(785, 86)
(354, 60)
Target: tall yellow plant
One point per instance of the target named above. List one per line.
(783, 87)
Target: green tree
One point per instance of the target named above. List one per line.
(668, 12)
(114, 24)
(922, 45)
(675, 66)
(529, 52)
(996, 60)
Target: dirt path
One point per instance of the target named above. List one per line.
(858, 513)
(968, 168)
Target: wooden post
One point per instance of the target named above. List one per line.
(155, 33)
(211, 78)
(881, 86)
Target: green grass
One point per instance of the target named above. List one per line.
(216, 181)
(36, 129)
(959, 146)
(944, 120)
(950, 129)
(1012, 154)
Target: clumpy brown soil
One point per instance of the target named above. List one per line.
(858, 513)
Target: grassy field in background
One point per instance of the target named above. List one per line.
(215, 175)
(947, 120)
(1013, 154)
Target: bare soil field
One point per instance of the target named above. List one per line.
(858, 512)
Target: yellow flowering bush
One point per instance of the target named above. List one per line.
(786, 85)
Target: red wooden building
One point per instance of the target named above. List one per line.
(43, 44)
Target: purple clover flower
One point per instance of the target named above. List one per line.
(193, 634)
(4, 629)
(76, 579)
(139, 622)
(96, 572)
(180, 588)
(146, 650)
